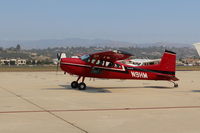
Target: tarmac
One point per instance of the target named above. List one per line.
(44, 102)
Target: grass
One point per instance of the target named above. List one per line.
(188, 68)
(53, 68)
(27, 68)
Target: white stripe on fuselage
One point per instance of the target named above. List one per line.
(123, 69)
(75, 64)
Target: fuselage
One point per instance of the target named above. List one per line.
(115, 70)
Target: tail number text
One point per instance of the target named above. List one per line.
(139, 75)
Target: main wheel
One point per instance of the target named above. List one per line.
(74, 84)
(81, 86)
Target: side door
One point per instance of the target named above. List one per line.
(97, 67)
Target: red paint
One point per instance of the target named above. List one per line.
(163, 71)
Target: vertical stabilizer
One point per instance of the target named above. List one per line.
(168, 62)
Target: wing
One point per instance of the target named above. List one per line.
(111, 56)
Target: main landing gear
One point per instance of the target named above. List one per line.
(81, 85)
(175, 84)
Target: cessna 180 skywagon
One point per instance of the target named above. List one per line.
(112, 65)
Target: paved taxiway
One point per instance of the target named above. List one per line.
(43, 102)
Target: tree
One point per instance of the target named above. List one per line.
(18, 47)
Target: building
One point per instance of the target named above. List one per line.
(21, 62)
(191, 61)
(13, 62)
(4, 61)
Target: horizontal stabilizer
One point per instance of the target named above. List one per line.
(166, 77)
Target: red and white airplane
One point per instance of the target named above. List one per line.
(111, 65)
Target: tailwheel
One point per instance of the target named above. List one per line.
(74, 84)
(175, 85)
(81, 86)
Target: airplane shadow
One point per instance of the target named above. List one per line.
(105, 89)
(159, 87)
(89, 89)
(195, 90)
(137, 87)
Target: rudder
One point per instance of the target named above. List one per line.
(168, 61)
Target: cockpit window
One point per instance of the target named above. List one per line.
(100, 62)
(85, 57)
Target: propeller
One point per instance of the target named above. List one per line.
(59, 57)
(58, 61)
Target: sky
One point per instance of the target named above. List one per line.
(136, 21)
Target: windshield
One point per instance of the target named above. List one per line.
(85, 57)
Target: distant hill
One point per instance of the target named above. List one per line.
(77, 42)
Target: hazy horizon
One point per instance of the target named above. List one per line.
(134, 21)
(76, 42)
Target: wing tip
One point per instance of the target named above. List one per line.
(122, 52)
